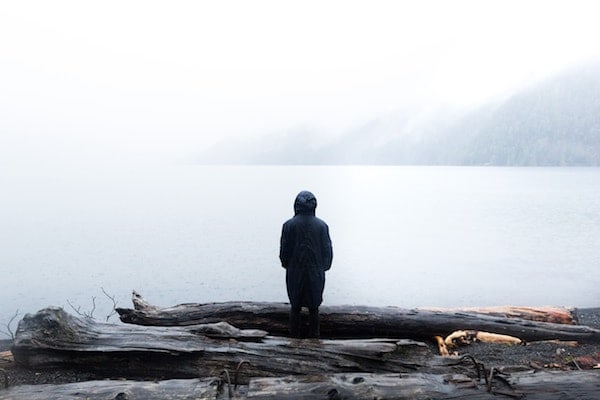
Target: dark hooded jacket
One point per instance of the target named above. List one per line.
(305, 253)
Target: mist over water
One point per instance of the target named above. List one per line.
(402, 236)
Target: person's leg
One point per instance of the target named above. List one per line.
(295, 322)
(314, 330)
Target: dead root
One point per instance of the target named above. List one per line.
(463, 338)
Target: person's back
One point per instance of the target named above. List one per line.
(305, 253)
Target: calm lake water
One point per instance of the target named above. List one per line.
(402, 236)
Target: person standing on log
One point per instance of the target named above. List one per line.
(305, 253)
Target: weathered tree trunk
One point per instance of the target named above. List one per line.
(557, 315)
(354, 321)
(177, 389)
(53, 338)
(414, 386)
(538, 386)
(323, 369)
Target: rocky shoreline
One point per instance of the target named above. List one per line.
(551, 356)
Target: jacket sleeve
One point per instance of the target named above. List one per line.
(327, 249)
(284, 253)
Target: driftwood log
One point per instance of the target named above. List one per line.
(53, 338)
(248, 364)
(355, 321)
(557, 315)
(414, 386)
(538, 386)
(182, 389)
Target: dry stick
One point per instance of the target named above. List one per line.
(235, 378)
(90, 314)
(491, 378)
(84, 314)
(229, 391)
(493, 374)
(112, 298)
(237, 372)
(479, 367)
(9, 331)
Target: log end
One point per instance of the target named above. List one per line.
(47, 326)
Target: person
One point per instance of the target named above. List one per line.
(305, 253)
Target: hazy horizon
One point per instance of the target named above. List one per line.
(146, 82)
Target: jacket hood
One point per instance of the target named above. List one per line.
(305, 203)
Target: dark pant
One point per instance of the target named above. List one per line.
(313, 322)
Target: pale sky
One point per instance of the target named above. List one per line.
(138, 81)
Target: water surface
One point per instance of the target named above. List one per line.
(403, 236)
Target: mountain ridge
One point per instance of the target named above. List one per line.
(555, 122)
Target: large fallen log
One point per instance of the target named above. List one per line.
(52, 338)
(414, 386)
(538, 386)
(557, 315)
(176, 389)
(354, 321)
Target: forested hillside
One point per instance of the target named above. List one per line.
(554, 123)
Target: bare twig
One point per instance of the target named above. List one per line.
(85, 314)
(237, 372)
(229, 391)
(9, 332)
(90, 314)
(114, 302)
